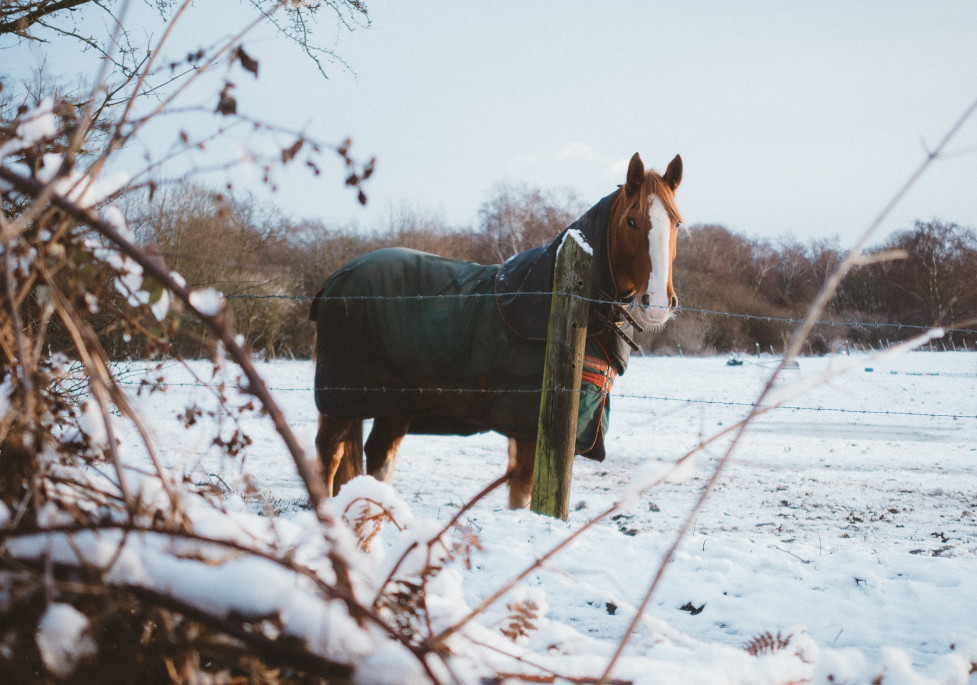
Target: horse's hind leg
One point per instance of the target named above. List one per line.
(381, 446)
(522, 463)
(339, 444)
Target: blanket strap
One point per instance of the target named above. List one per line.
(598, 372)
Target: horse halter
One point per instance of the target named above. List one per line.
(619, 316)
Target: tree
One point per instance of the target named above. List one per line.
(43, 20)
(519, 217)
(937, 283)
(23, 18)
(140, 77)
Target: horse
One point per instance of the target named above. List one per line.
(428, 345)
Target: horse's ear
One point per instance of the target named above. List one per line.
(673, 174)
(636, 174)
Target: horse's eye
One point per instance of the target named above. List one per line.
(631, 222)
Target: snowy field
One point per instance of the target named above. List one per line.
(847, 519)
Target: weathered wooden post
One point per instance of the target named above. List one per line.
(565, 341)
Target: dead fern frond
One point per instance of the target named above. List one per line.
(766, 643)
(462, 548)
(366, 517)
(521, 623)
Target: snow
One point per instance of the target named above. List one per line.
(578, 238)
(40, 124)
(92, 424)
(5, 387)
(113, 216)
(35, 126)
(63, 639)
(846, 523)
(207, 301)
(390, 662)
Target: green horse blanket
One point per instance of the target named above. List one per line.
(409, 334)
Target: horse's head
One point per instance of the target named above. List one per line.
(642, 234)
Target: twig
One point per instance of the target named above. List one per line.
(34, 15)
(787, 551)
(553, 676)
(793, 349)
(26, 361)
(98, 383)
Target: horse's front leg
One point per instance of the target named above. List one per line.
(522, 462)
(381, 446)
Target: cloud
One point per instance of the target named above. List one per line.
(578, 150)
(618, 168)
(585, 154)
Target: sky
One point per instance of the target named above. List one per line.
(797, 120)
(794, 118)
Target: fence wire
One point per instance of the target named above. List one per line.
(630, 396)
(548, 293)
(637, 397)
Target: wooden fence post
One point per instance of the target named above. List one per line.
(565, 341)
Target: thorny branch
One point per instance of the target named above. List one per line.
(214, 322)
(101, 381)
(760, 407)
(793, 349)
(35, 203)
(32, 13)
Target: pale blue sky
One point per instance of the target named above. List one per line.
(797, 118)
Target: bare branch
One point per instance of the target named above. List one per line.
(32, 13)
(793, 349)
(214, 322)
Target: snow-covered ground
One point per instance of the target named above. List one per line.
(847, 519)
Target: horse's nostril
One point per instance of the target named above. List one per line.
(673, 301)
(645, 300)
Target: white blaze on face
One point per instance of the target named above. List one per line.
(653, 307)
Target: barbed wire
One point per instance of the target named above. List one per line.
(630, 396)
(636, 397)
(691, 310)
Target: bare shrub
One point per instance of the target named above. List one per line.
(86, 537)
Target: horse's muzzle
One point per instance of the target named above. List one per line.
(653, 315)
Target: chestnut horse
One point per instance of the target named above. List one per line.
(423, 344)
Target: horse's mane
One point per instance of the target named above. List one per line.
(665, 194)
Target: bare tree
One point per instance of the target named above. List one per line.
(43, 20)
(517, 218)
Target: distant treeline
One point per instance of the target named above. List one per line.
(736, 292)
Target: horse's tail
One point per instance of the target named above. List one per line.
(314, 308)
(314, 318)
